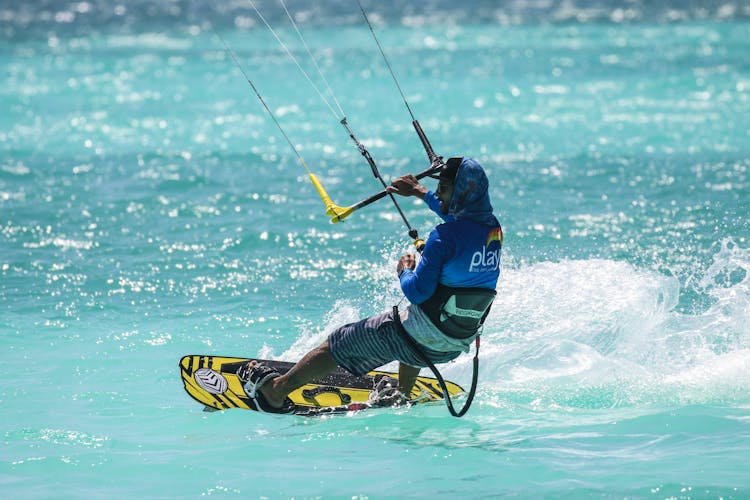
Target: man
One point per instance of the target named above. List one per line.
(450, 290)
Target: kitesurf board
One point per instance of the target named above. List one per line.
(213, 381)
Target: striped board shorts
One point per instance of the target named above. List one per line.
(375, 341)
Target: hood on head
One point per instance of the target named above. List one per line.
(471, 198)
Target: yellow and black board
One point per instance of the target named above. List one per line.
(213, 382)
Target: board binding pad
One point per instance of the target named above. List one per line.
(213, 382)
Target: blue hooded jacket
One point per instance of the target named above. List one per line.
(464, 251)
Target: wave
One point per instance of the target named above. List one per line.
(602, 332)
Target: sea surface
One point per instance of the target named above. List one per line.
(150, 208)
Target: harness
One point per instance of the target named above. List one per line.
(458, 313)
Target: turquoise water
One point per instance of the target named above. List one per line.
(150, 209)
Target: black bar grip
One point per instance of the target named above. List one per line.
(433, 169)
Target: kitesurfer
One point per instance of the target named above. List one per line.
(450, 291)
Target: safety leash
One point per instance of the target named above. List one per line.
(413, 344)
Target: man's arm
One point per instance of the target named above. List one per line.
(419, 281)
(407, 185)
